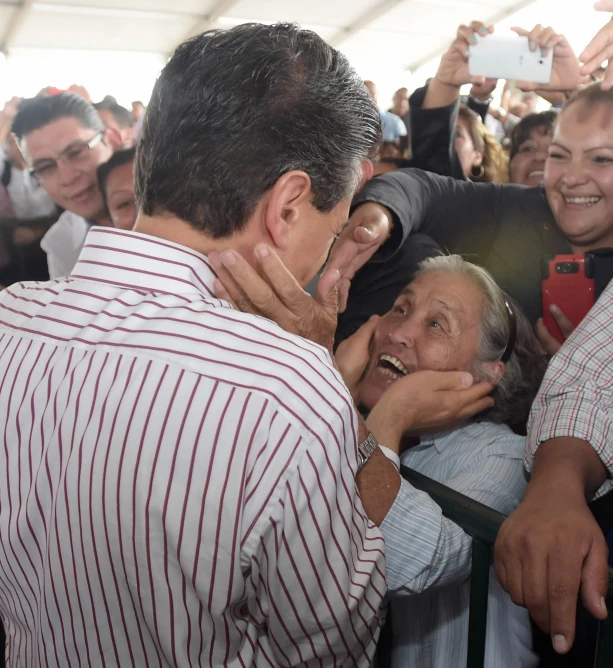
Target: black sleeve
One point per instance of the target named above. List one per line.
(433, 137)
(478, 106)
(460, 216)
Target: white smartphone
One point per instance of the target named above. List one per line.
(509, 58)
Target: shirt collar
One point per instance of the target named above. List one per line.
(143, 262)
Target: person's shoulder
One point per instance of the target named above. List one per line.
(255, 353)
(67, 223)
(492, 439)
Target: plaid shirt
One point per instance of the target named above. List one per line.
(576, 397)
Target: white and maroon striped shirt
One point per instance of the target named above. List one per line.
(176, 477)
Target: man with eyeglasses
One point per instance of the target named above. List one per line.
(64, 140)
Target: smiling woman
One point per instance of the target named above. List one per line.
(579, 171)
(453, 317)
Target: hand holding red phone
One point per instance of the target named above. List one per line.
(550, 344)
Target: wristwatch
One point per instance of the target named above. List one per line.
(366, 449)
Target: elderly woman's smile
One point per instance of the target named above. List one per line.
(433, 325)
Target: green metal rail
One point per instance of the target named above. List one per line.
(483, 523)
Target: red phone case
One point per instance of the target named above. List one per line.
(569, 284)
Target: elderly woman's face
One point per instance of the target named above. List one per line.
(434, 325)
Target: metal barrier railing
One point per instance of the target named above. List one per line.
(483, 523)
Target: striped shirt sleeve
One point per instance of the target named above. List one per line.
(319, 567)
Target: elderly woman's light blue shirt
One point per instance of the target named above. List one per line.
(428, 557)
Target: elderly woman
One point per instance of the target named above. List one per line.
(452, 316)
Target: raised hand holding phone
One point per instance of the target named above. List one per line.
(600, 49)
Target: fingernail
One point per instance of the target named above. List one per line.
(554, 309)
(483, 30)
(543, 52)
(603, 605)
(228, 258)
(473, 39)
(559, 644)
(467, 380)
(549, 43)
(262, 251)
(532, 46)
(467, 53)
(337, 277)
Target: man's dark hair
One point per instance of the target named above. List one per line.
(545, 121)
(120, 114)
(234, 110)
(37, 112)
(116, 160)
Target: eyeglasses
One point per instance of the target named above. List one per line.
(508, 351)
(74, 154)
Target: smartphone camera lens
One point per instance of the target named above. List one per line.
(567, 268)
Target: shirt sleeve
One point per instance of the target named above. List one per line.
(424, 550)
(433, 137)
(459, 215)
(576, 397)
(320, 564)
(401, 127)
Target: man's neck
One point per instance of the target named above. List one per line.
(174, 229)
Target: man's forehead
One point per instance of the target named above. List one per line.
(51, 139)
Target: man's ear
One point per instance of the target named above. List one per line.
(478, 161)
(112, 138)
(286, 204)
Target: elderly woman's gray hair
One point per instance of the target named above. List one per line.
(526, 366)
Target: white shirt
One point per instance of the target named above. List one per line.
(28, 198)
(429, 557)
(177, 478)
(63, 243)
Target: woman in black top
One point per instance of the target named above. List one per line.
(507, 229)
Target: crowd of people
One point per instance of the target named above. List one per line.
(201, 461)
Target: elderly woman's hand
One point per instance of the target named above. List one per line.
(427, 401)
(353, 354)
(550, 344)
(275, 294)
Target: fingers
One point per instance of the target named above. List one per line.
(439, 381)
(222, 293)
(564, 577)
(367, 330)
(565, 325)
(550, 344)
(599, 43)
(276, 274)
(327, 291)
(468, 34)
(368, 228)
(604, 6)
(534, 588)
(595, 579)
(245, 288)
(534, 37)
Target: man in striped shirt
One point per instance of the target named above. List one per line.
(177, 478)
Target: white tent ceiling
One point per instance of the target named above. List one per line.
(406, 33)
(119, 46)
